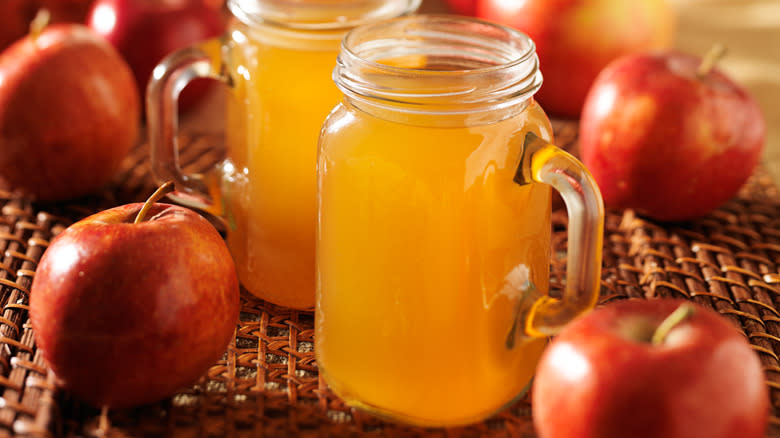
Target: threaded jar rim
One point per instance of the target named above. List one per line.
(470, 64)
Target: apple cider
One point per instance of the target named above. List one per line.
(273, 120)
(432, 259)
(283, 93)
(277, 57)
(425, 239)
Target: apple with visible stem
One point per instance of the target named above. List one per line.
(16, 15)
(669, 134)
(145, 31)
(576, 39)
(662, 368)
(69, 112)
(134, 303)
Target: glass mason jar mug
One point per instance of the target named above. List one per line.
(434, 203)
(276, 58)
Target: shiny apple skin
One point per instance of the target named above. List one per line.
(597, 379)
(462, 7)
(145, 31)
(127, 314)
(660, 140)
(69, 114)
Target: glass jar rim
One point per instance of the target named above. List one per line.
(498, 64)
(321, 15)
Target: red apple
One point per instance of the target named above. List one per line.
(16, 15)
(462, 7)
(127, 313)
(576, 39)
(69, 113)
(650, 369)
(145, 31)
(66, 11)
(669, 142)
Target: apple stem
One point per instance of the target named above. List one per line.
(679, 315)
(103, 422)
(158, 194)
(712, 57)
(39, 23)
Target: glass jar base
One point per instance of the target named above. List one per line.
(405, 418)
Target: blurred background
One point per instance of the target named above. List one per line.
(750, 29)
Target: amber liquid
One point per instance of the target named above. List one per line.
(425, 246)
(282, 93)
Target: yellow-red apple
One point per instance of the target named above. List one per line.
(667, 139)
(127, 313)
(69, 113)
(650, 369)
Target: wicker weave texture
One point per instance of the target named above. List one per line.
(267, 383)
(27, 388)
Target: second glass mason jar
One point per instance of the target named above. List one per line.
(276, 58)
(434, 205)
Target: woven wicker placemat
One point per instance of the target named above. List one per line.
(267, 383)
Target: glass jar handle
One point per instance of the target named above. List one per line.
(542, 162)
(169, 78)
